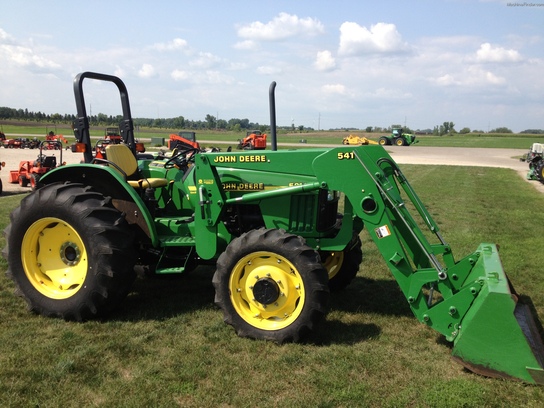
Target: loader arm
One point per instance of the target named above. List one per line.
(470, 301)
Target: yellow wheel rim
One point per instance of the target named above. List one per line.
(54, 258)
(266, 290)
(399, 142)
(333, 263)
(382, 142)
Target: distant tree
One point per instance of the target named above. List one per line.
(464, 131)
(368, 129)
(533, 131)
(210, 121)
(501, 130)
(178, 122)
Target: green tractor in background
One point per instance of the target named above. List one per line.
(398, 138)
(282, 228)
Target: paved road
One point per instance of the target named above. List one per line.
(505, 158)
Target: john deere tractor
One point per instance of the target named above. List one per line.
(281, 227)
(398, 138)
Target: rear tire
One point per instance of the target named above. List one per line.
(384, 141)
(271, 286)
(69, 252)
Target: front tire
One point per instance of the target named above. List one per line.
(271, 286)
(69, 252)
(342, 266)
(539, 171)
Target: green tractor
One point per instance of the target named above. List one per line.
(398, 138)
(282, 228)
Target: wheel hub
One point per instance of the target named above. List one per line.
(70, 253)
(266, 291)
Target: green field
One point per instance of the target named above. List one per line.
(488, 140)
(168, 347)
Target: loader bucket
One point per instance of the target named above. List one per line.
(499, 336)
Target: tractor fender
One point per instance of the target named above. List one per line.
(111, 184)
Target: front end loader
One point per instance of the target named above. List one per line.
(283, 229)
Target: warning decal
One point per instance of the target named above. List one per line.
(383, 231)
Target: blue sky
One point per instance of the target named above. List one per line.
(479, 64)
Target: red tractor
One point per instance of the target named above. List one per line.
(30, 172)
(254, 140)
(113, 135)
(183, 140)
(52, 136)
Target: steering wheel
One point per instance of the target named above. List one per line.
(181, 160)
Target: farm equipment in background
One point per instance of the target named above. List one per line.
(21, 143)
(2, 164)
(283, 229)
(536, 163)
(53, 137)
(113, 135)
(183, 140)
(254, 140)
(398, 138)
(30, 172)
(357, 140)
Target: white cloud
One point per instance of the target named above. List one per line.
(247, 45)
(25, 57)
(201, 77)
(324, 61)
(146, 71)
(472, 76)
(489, 53)
(334, 89)
(205, 60)
(268, 70)
(281, 27)
(175, 44)
(381, 38)
(179, 75)
(5, 38)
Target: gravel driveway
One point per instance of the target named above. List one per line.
(458, 156)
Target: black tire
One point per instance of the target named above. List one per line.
(271, 286)
(69, 228)
(539, 171)
(34, 180)
(400, 141)
(23, 181)
(1, 187)
(342, 267)
(384, 141)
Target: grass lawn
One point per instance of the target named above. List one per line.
(167, 346)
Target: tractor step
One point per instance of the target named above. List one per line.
(167, 271)
(175, 241)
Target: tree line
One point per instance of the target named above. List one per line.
(101, 119)
(210, 122)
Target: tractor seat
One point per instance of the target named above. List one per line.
(120, 155)
(50, 162)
